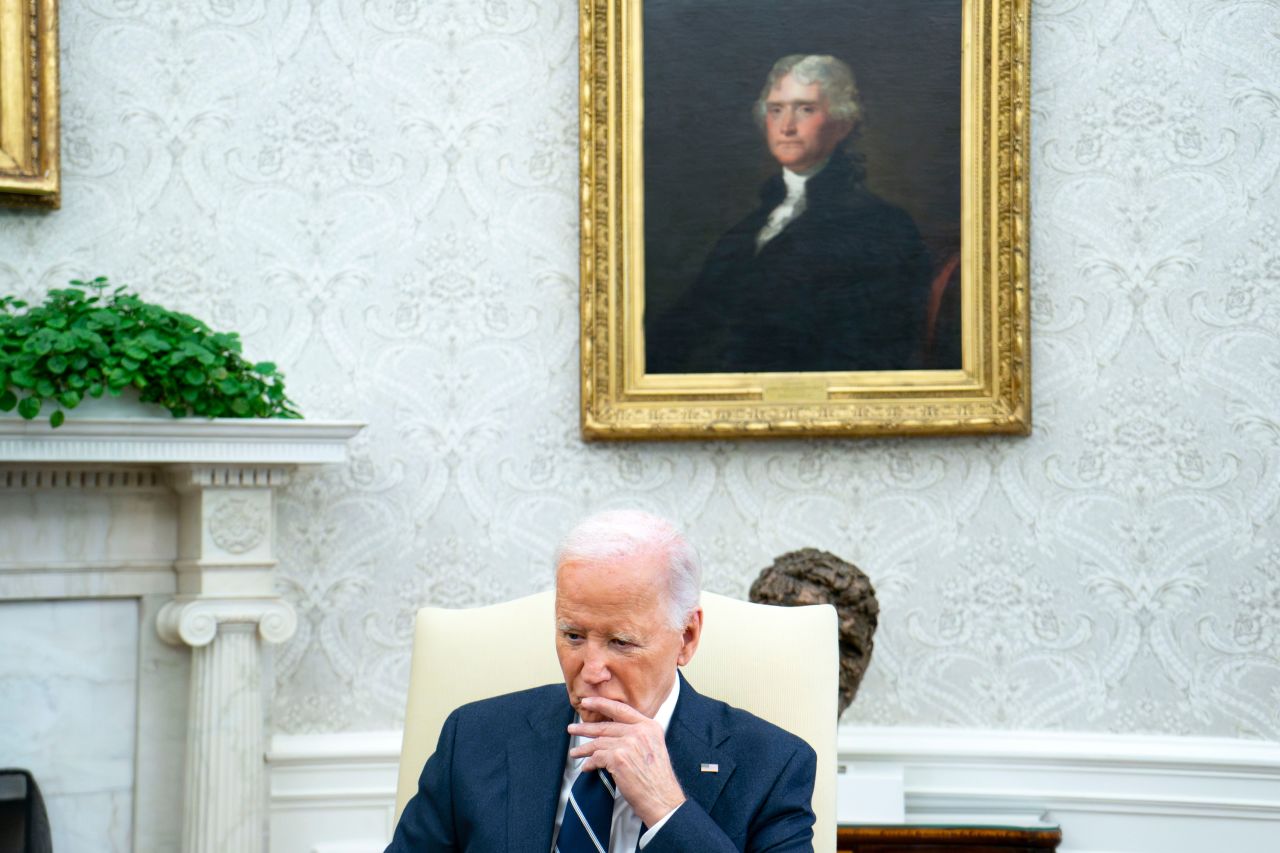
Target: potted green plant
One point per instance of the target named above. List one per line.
(90, 339)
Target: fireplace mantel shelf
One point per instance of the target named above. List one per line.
(165, 441)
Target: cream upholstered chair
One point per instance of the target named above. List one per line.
(779, 663)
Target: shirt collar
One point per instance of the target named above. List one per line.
(668, 706)
(796, 180)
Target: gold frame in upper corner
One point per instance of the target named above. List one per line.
(990, 394)
(29, 163)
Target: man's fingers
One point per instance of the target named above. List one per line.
(614, 710)
(591, 748)
(599, 729)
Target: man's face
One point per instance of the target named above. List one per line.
(800, 132)
(612, 634)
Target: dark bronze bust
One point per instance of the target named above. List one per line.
(810, 576)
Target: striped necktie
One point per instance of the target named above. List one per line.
(588, 814)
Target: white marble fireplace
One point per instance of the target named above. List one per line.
(136, 595)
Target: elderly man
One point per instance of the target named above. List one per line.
(625, 755)
(824, 275)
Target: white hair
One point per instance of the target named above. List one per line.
(833, 76)
(614, 534)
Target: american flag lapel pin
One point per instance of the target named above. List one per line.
(710, 768)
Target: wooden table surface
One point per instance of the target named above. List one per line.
(941, 839)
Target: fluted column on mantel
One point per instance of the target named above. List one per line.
(225, 608)
(224, 805)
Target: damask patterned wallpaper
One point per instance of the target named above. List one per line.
(381, 194)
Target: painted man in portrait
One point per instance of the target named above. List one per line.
(824, 275)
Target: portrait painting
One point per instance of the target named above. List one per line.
(862, 135)
(804, 218)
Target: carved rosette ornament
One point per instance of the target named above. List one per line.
(810, 576)
(236, 526)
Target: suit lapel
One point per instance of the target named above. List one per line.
(535, 768)
(694, 739)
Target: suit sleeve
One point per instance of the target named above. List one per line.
(426, 825)
(784, 821)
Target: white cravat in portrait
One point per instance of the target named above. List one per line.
(791, 206)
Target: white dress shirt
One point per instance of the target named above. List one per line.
(624, 831)
(790, 208)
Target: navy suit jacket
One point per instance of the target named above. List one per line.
(493, 783)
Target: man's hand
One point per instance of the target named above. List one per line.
(633, 748)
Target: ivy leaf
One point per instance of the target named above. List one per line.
(41, 343)
(92, 338)
(152, 342)
(7, 401)
(56, 419)
(103, 319)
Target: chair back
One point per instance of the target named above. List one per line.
(779, 663)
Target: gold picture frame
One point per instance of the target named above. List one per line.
(29, 163)
(986, 391)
